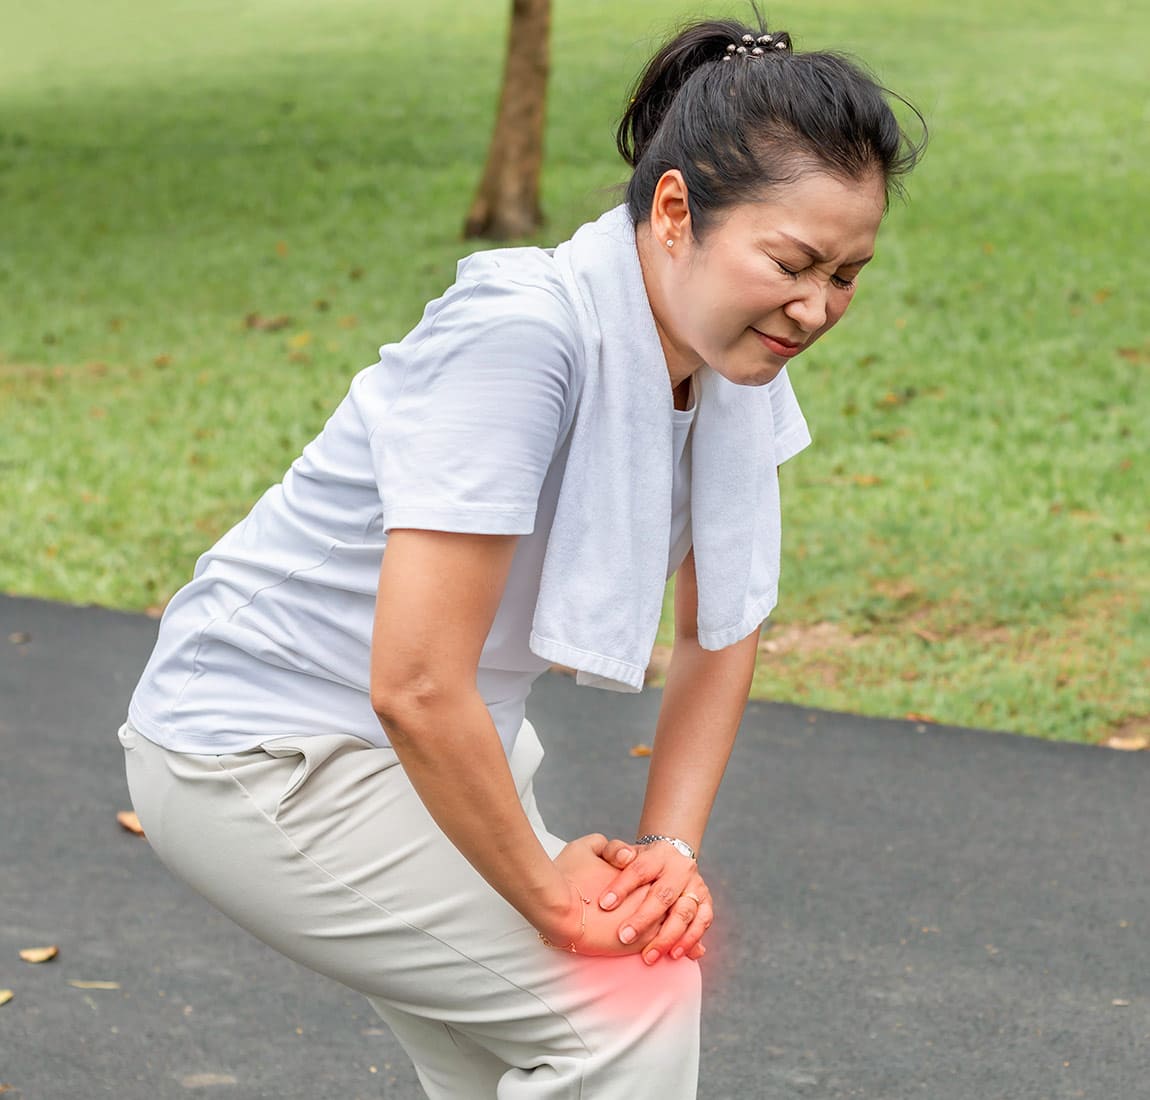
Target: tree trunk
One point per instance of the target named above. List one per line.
(507, 202)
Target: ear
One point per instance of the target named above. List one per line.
(670, 212)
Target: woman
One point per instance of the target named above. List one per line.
(329, 741)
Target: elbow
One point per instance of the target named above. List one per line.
(407, 704)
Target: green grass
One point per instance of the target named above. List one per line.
(968, 537)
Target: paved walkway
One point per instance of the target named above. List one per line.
(906, 913)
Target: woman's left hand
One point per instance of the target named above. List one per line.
(677, 910)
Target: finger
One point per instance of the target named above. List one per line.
(618, 853)
(704, 918)
(640, 871)
(661, 896)
(597, 842)
(678, 921)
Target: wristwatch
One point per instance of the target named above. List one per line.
(680, 846)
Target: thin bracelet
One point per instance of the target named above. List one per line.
(680, 846)
(582, 928)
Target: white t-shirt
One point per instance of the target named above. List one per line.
(462, 426)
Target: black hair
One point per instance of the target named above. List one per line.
(738, 113)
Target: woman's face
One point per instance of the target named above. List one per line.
(767, 279)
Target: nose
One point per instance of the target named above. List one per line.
(808, 308)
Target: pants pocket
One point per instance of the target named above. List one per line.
(311, 754)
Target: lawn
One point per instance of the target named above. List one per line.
(212, 214)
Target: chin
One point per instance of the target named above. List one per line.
(760, 377)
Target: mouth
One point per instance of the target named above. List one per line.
(776, 344)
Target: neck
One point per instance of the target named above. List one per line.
(653, 264)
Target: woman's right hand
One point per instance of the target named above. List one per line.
(583, 865)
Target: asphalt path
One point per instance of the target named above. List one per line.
(905, 911)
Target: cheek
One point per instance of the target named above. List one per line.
(836, 307)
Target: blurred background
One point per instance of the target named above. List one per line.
(213, 213)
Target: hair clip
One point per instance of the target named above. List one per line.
(750, 46)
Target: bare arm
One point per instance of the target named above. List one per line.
(438, 595)
(703, 703)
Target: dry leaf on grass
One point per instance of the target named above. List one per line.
(79, 984)
(641, 750)
(914, 716)
(267, 324)
(129, 821)
(39, 954)
(5, 996)
(1128, 744)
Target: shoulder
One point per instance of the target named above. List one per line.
(515, 287)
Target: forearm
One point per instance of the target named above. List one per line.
(703, 703)
(452, 754)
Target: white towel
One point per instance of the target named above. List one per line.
(605, 568)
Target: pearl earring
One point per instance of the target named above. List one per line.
(670, 244)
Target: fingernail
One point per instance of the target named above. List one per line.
(676, 953)
(627, 934)
(652, 956)
(607, 901)
(626, 853)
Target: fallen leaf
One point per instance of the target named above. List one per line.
(19, 637)
(641, 750)
(867, 480)
(80, 984)
(1134, 355)
(39, 954)
(267, 324)
(928, 636)
(355, 274)
(129, 821)
(281, 248)
(914, 716)
(1101, 295)
(5, 996)
(162, 361)
(1128, 744)
(203, 1080)
(6, 1088)
(300, 340)
(350, 321)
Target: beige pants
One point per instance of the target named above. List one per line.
(320, 847)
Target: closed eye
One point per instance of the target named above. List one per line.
(837, 280)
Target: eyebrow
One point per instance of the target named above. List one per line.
(817, 256)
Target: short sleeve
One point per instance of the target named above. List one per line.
(466, 414)
(791, 432)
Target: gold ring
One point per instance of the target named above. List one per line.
(694, 897)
